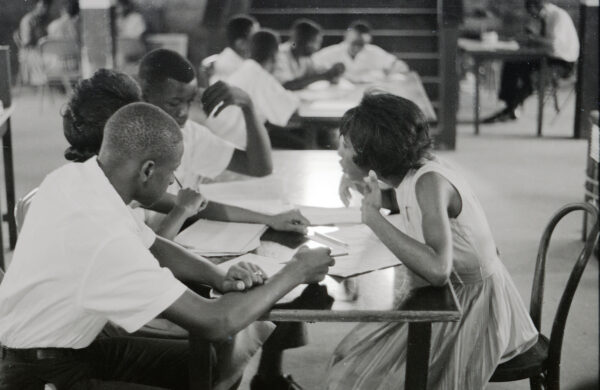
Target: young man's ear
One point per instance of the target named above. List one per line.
(147, 170)
(240, 45)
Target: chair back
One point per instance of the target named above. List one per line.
(537, 294)
(21, 208)
(60, 58)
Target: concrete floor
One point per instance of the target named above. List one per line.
(520, 179)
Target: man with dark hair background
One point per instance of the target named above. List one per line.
(295, 68)
(238, 30)
(363, 60)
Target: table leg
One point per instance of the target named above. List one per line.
(476, 105)
(417, 356)
(201, 363)
(9, 179)
(541, 85)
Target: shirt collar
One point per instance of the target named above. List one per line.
(100, 182)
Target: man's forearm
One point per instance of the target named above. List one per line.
(186, 266)
(258, 144)
(304, 81)
(222, 212)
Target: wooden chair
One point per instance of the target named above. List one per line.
(541, 363)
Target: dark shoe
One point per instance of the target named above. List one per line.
(278, 382)
(505, 115)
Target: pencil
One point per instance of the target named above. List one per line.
(178, 182)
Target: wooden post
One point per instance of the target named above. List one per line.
(587, 96)
(98, 35)
(449, 17)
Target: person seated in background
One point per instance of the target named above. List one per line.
(274, 103)
(363, 60)
(168, 81)
(34, 25)
(295, 68)
(68, 25)
(558, 35)
(106, 266)
(238, 30)
(130, 24)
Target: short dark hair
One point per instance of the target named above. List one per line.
(162, 64)
(140, 131)
(72, 7)
(304, 30)
(360, 26)
(389, 134)
(239, 26)
(264, 45)
(93, 101)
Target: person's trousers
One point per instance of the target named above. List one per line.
(108, 363)
(516, 82)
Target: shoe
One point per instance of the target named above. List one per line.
(505, 115)
(278, 382)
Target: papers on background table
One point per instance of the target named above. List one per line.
(365, 252)
(214, 238)
(331, 215)
(477, 45)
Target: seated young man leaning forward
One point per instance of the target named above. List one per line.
(106, 266)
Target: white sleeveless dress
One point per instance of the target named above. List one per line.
(495, 325)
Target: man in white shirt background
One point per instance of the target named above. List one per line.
(82, 260)
(295, 68)
(558, 35)
(364, 61)
(239, 29)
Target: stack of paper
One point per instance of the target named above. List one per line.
(214, 238)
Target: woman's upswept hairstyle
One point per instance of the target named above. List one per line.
(94, 100)
(389, 134)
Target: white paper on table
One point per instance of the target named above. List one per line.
(268, 265)
(331, 215)
(206, 237)
(366, 252)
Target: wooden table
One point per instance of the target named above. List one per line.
(9, 181)
(311, 178)
(481, 52)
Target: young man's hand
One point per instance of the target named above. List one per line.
(371, 202)
(291, 221)
(346, 183)
(242, 276)
(335, 71)
(220, 95)
(190, 201)
(311, 265)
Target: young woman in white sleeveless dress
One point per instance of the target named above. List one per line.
(441, 235)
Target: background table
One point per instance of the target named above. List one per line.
(9, 181)
(481, 52)
(311, 178)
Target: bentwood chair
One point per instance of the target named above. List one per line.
(541, 363)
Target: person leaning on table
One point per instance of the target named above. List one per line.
(82, 260)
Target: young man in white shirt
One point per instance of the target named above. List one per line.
(106, 266)
(169, 81)
(295, 68)
(558, 35)
(239, 29)
(364, 61)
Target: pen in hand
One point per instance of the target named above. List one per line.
(178, 182)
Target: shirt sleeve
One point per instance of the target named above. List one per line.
(276, 103)
(211, 154)
(386, 60)
(126, 284)
(282, 71)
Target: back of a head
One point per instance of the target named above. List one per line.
(389, 133)
(140, 132)
(92, 103)
(239, 27)
(71, 7)
(304, 30)
(264, 45)
(360, 26)
(162, 64)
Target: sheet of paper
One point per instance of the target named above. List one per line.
(331, 215)
(366, 252)
(207, 237)
(269, 265)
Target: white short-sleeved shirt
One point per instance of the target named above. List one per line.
(289, 67)
(205, 155)
(82, 259)
(227, 62)
(370, 59)
(562, 33)
(273, 103)
(131, 25)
